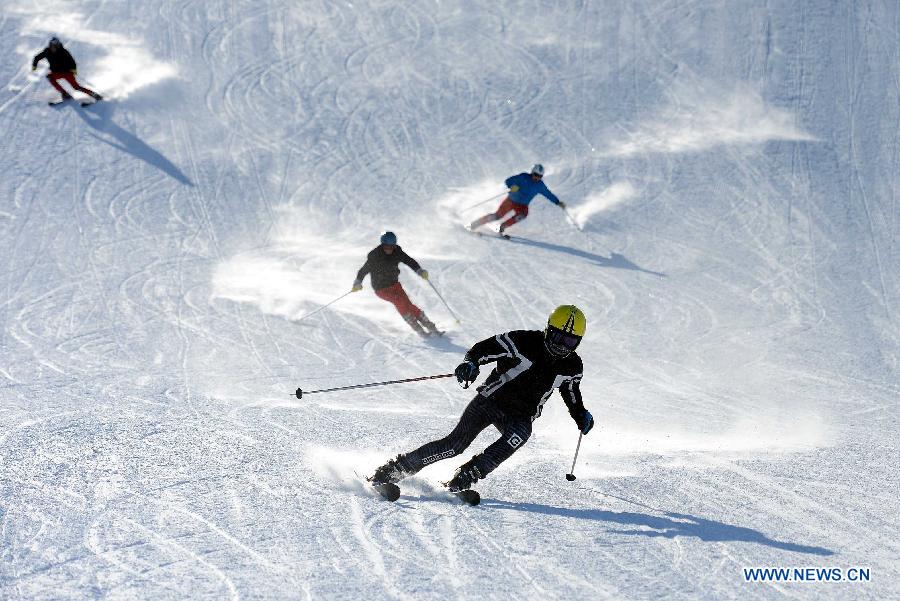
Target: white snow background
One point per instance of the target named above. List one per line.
(733, 170)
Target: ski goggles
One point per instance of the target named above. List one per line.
(562, 340)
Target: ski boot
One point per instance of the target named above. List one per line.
(97, 98)
(429, 326)
(502, 233)
(385, 478)
(414, 324)
(390, 473)
(477, 224)
(466, 475)
(64, 97)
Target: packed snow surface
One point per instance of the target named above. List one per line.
(731, 170)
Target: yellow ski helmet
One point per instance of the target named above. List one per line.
(565, 329)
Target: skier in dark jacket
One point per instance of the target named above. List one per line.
(530, 365)
(383, 262)
(522, 190)
(62, 66)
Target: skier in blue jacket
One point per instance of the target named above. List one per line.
(522, 190)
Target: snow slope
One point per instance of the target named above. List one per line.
(734, 170)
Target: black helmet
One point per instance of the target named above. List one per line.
(54, 41)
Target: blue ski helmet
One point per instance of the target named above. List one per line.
(389, 238)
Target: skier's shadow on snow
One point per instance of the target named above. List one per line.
(614, 260)
(444, 344)
(666, 525)
(99, 117)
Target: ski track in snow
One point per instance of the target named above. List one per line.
(733, 173)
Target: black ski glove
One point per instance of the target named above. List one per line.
(466, 373)
(585, 422)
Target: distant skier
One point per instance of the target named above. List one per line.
(522, 190)
(530, 364)
(62, 66)
(383, 262)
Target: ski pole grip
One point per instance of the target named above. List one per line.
(299, 393)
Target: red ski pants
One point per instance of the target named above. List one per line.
(520, 213)
(396, 295)
(69, 77)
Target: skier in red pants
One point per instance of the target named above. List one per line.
(383, 262)
(62, 66)
(522, 190)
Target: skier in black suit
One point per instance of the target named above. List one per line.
(530, 365)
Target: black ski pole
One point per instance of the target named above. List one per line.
(571, 475)
(300, 392)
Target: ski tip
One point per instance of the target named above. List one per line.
(469, 497)
(391, 492)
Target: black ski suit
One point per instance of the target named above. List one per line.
(59, 61)
(385, 268)
(510, 399)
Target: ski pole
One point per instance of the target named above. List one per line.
(445, 302)
(571, 219)
(481, 202)
(571, 475)
(323, 306)
(299, 393)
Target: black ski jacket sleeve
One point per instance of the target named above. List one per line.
(526, 374)
(385, 268)
(60, 60)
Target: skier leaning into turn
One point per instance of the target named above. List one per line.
(522, 190)
(530, 365)
(62, 66)
(383, 262)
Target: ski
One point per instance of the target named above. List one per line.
(487, 233)
(89, 102)
(493, 235)
(58, 102)
(427, 335)
(391, 492)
